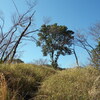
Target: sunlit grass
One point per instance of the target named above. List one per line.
(70, 84)
(32, 82)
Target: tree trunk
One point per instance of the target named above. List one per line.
(77, 62)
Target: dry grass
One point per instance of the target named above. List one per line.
(32, 82)
(23, 80)
(70, 84)
(95, 90)
(3, 87)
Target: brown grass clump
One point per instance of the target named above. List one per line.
(3, 87)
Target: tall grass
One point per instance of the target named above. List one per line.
(70, 84)
(33, 82)
(23, 79)
(3, 87)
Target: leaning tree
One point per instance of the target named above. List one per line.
(20, 30)
(90, 42)
(55, 40)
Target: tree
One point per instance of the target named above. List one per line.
(96, 56)
(55, 40)
(95, 31)
(88, 43)
(21, 29)
(82, 41)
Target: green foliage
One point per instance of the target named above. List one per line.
(55, 40)
(70, 84)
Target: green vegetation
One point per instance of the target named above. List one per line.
(32, 82)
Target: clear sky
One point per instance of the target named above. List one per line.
(75, 14)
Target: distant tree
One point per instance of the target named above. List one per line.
(40, 62)
(55, 40)
(14, 61)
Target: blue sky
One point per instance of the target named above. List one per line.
(75, 14)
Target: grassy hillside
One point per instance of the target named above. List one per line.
(32, 82)
(23, 80)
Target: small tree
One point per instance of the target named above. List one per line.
(55, 40)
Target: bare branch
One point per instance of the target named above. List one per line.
(19, 31)
(16, 7)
